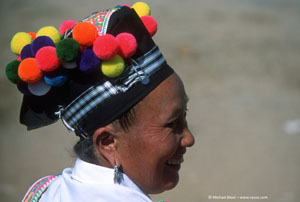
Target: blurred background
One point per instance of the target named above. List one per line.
(240, 62)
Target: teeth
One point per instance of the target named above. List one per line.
(174, 162)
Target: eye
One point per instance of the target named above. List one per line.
(177, 125)
(172, 124)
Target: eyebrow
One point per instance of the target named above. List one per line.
(177, 112)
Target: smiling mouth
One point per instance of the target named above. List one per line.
(174, 162)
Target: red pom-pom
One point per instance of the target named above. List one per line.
(46, 59)
(29, 71)
(68, 24)
(85, 33)
(150, 24)
(105, 47)
(19, 58)
(127, 45)
(32, 34)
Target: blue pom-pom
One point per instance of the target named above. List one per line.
(56, 81)
(26, 52)
(89, 61)
(56, 78)
(41, 42)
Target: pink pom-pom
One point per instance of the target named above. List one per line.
(105, 47)
(126, 5)
(127, 45)
(68, 24)
(19, 58)
(150, 24)
(46, 59)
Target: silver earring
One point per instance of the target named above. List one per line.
(117, 175)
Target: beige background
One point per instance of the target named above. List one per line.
(240, 62)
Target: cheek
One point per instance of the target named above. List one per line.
(160, 177)
(143, 158)
(157, 152)
(164, 144)
(160, 144)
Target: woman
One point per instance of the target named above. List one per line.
(129, 114)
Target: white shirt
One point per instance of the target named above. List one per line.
(88, 182)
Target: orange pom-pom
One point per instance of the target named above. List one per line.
(32, 34)
(85, 33)
(29, 71)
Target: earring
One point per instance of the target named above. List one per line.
(117, 175)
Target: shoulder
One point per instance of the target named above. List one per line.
(35, 192)
(66, 188)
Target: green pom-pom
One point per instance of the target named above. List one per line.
(12, 71)
(67, 50)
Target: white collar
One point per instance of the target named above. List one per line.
(95, 174)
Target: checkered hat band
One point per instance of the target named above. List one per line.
(85, 103)
(140, 70)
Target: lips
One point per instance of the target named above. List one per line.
(174, 162)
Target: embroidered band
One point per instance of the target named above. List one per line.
(38, 188)
(100, 19)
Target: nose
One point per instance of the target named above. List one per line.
(188, 139)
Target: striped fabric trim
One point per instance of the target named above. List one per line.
(38, 188)
(142, 68)
(87, 101)
(139, 71)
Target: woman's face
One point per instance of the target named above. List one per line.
(151, 152)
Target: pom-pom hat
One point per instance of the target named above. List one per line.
(93, 97)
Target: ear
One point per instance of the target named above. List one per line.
(104, 139)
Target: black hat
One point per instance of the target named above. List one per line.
(104, 74)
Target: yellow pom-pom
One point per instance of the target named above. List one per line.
(114, 67)
(141, 8)
(20, 40)
(51, 32)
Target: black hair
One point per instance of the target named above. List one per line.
(84, 148)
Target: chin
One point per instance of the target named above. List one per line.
(165, 186)
(171, 185)
(171, 180)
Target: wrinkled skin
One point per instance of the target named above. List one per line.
(151, 151)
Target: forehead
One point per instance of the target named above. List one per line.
(166, 99)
